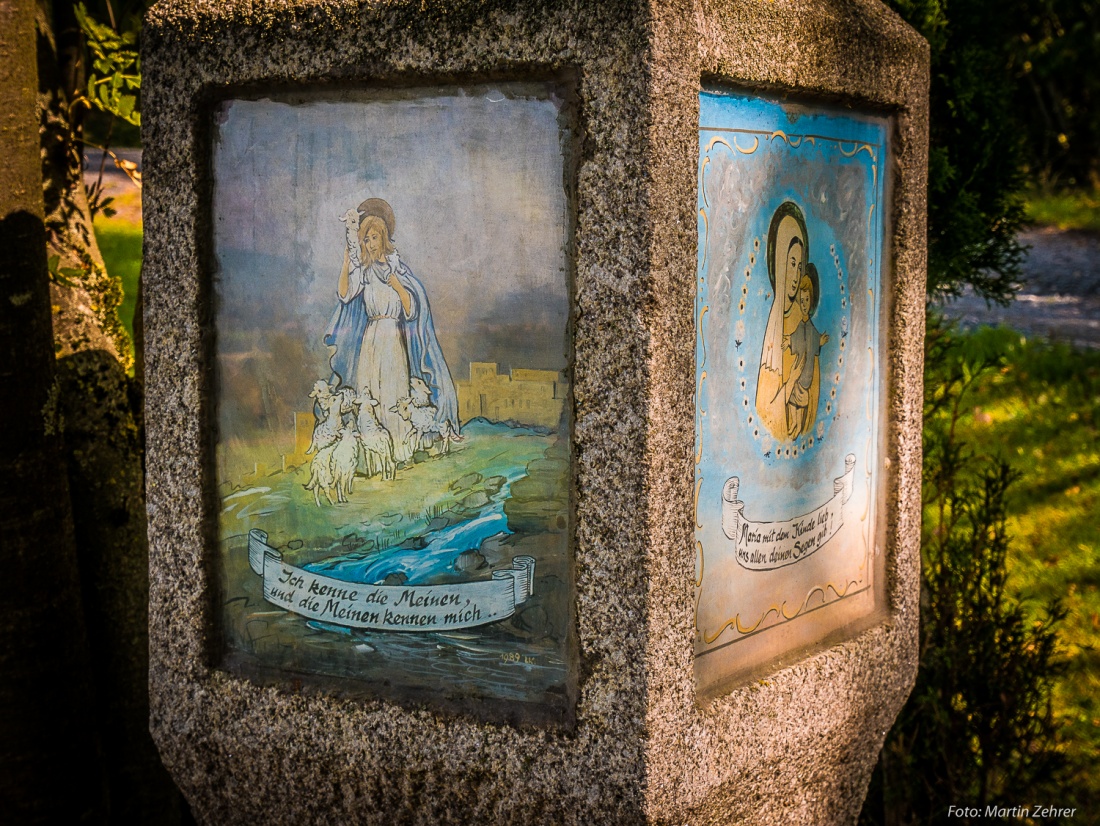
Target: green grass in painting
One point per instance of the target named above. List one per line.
(1040, 411)
(465, 487)
(383, 513)
(120, 245)
(1065, 209)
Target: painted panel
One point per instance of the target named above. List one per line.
(789, 387)
(393, 416)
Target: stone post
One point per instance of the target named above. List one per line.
(608, 319)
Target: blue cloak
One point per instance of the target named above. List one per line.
(426, 361)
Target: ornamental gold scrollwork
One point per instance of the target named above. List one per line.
(859, 147)
(780, 611)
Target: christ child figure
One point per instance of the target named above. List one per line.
(805, 343)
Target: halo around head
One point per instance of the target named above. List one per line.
(379, 209)
(787, 223)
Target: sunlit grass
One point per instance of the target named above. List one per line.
(1040, 411)
(1065, 209)
(120, 244)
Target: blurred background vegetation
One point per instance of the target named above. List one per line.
(1005, 708)
(1006, 705)
(1015, 125)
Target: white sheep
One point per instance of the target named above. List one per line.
(350, 220)
(348, 402)
(320, 474)
(448, 434)
(327, 426)
(422, 421)
(345, 459)
(421, 396)
(419, 391)
(376, 441)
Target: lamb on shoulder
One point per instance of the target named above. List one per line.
(350, 220)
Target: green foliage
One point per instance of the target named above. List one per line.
(113, 70)
(1065, 209)
(1056, 58)
(976, 156)
(1015, 99)
(979, 728)
(120, 245)
(1042, 409)
(114, 77)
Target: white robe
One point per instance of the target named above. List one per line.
(383, 366)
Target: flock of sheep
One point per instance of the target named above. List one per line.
(347, 427)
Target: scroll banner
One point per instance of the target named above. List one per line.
(764, 546)
(389, 607)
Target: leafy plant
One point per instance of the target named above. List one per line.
(1042, 408)
(978, 729)
(113, 87)
(1054, 57)
(114, 78)
(976, 153)
(1014, 102)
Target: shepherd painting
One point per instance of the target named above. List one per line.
(387, 366)
(383, 338)
(393, 419)
(789, 366)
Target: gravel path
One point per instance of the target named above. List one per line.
(1060, 299)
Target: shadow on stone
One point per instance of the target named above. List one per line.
(101, 413)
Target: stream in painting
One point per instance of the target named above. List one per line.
(502, 492)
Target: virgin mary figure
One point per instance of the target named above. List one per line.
(787, 246)
(382, 331)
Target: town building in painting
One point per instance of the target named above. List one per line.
(523, 396)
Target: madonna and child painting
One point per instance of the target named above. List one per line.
(789, 381)
(393, 415)
(789, 365)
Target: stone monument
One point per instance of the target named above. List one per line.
(533, 406)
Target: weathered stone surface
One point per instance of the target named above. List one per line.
(794, 747)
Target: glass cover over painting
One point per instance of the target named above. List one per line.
(789, 379)
(393, 402)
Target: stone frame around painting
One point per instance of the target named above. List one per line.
(643, 746)
(553, 705)
(776, 637)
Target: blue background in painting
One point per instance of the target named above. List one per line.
(731, 110)
(742, 192)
